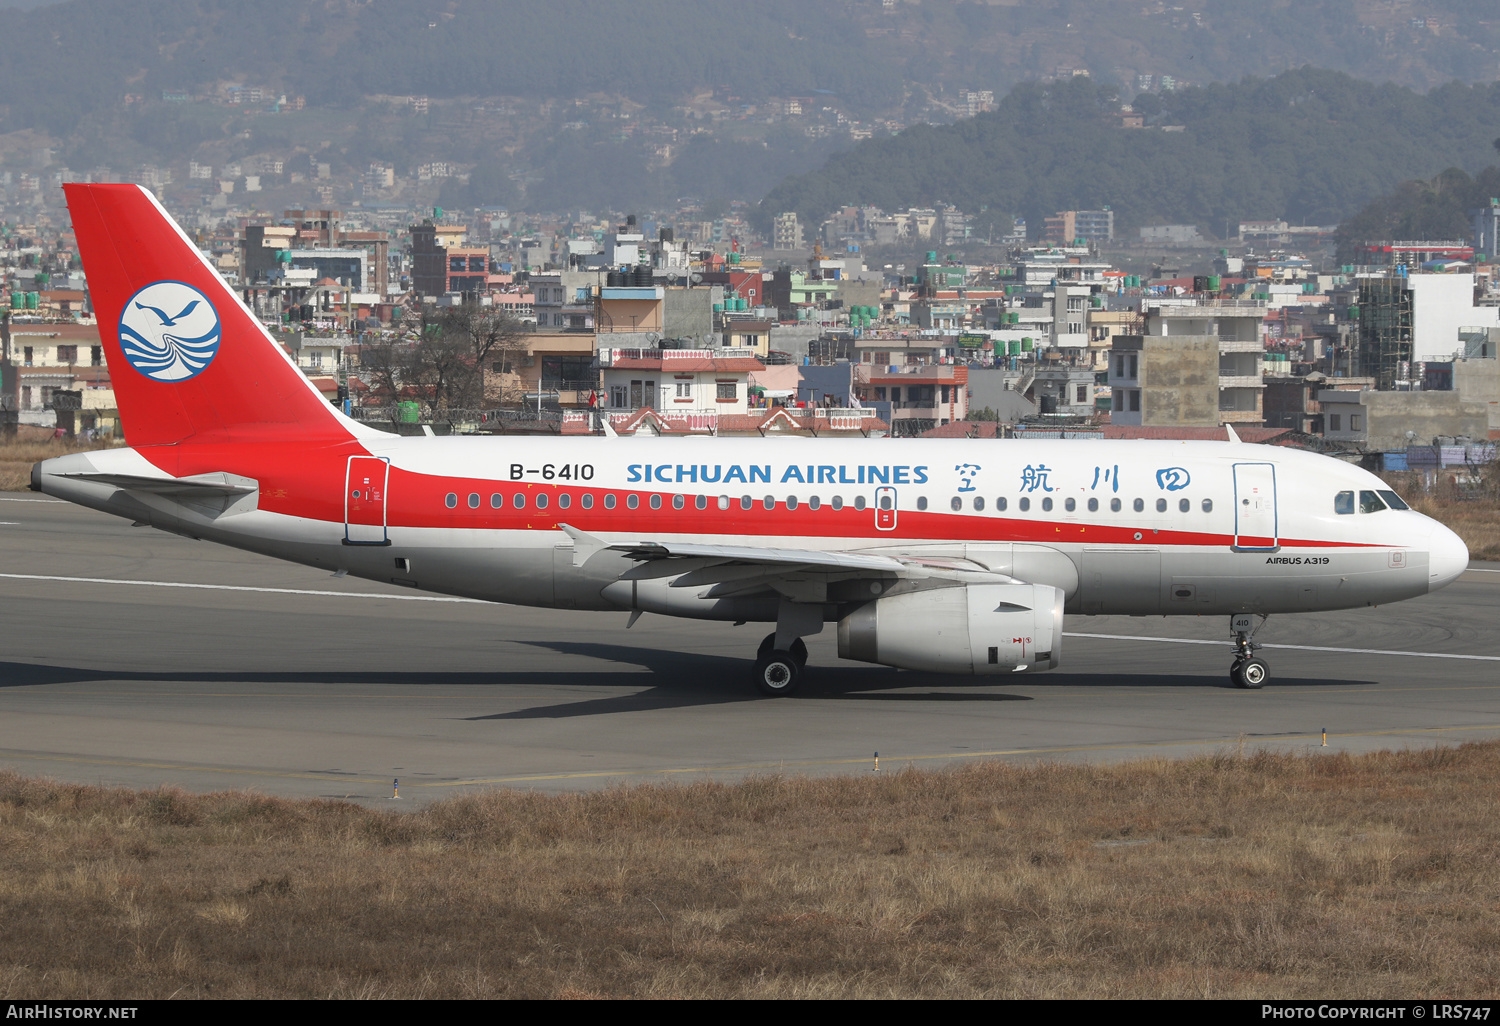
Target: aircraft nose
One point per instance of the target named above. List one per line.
(1447, 557)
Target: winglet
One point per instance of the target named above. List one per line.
(609, 429)
(585, 545)
(1232, 436)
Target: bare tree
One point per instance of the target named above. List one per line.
(455, 348)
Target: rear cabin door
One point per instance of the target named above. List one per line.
(364, 501)
(1255, 527)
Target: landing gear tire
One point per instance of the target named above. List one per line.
(798, 648)
(777, 673)
(1251, 674)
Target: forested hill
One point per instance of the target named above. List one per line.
(1311, 146)
(67, 61)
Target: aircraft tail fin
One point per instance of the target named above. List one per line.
(187, 359)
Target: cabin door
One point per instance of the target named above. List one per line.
(885, 508)
(364, 501)
(1255, 527)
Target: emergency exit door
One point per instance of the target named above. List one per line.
(1255, 528)
(885, 509)
(364, 501)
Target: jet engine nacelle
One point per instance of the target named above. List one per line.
(976, 628)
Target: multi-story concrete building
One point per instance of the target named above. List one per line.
(1068, 225)
(922, 396)
(563, 300)
(561, 366)
(1394, 420)
(442, 263)
(690, 381)
(786, 232)
(316, 241)
(1197, 363)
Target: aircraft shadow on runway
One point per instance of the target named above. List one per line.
(672, 679)
(689, 679)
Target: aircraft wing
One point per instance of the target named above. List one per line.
(697, 564)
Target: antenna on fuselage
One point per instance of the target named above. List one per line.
(1232, 436)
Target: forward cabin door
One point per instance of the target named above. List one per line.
(364, 501)
(1255, 527)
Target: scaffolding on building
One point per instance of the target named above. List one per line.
(1385, 329)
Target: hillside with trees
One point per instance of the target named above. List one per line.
(1437, 208)
(1311, 146)
(546, 99)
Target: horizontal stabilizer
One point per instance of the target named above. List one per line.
(199, 484)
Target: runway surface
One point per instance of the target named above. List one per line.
(132, 657)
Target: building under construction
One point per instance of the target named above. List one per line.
(1385, 328)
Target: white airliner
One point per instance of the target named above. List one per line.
(948, 556)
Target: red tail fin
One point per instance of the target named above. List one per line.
(186, 359)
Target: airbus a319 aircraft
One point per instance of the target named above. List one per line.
(944, 556)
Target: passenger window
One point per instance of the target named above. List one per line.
(1093, 505)
(723, 502)
(885, 502)
(1392, 499)
(1208, 505)
(838, 502)
(518, 500)
(497, 500)
(814, 502)
(769, 502)
(956, 503)
(1183, 505)
(859, 502)
(1369, 502)
(451, 501)
(1114, 505)
(632, 501)
(473, 500)
(564, 501)
(1047, 504)
(678, 501)
(1343, 503)
(702, 502)
(1161, 505)
(656, 502)
(1000, 504)
(746, 502)
(1069, 505)
(541, 500)
(1139, 505)
(587, 500)
(1024, 505)
(609, 501)
(791, 502)
(979, 504)
(921, 502)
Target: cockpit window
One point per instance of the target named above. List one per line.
(1392, 499)
(1343, 502)
(1369, 502)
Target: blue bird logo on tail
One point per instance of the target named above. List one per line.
(169, 347)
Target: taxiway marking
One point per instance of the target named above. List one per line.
(1302, 648)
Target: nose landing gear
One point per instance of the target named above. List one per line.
(1247, 671)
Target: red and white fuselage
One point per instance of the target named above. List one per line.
(892, 539)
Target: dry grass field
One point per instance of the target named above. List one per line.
(1245, 874)
(32, 445)
(1473, 515)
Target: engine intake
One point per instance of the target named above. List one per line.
(973, 629)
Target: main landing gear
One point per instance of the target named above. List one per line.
(1247, 671)
(777, 671)
(783, 654)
